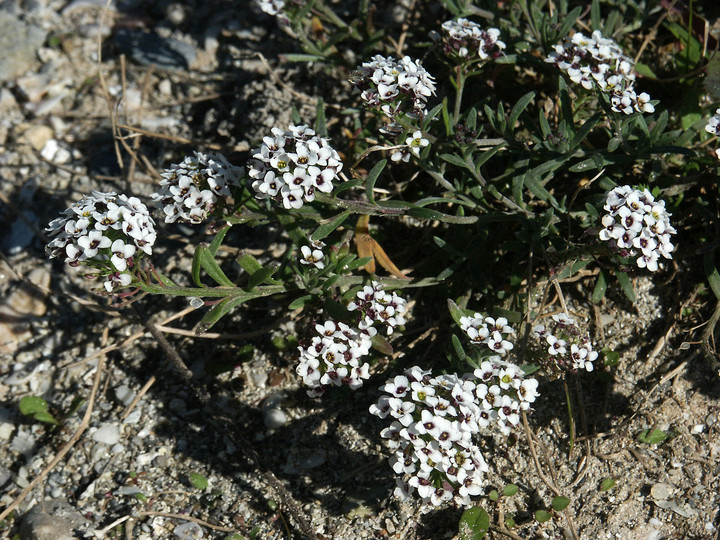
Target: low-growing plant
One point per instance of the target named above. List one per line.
(499, 154)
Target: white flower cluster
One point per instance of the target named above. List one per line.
(597, 61)
(334, 355)
(488, 331)
(435, 419)
(636, 224)
(713, 125)
(463, 38)
(396, 86)
(291, 165)
(378, 306)
(569, 347)
(192, 190)
(106, 231)
(272, 7)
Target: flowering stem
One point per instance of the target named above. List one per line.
(459, 87)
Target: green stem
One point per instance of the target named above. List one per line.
(459, 87)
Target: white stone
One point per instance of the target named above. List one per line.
(107, 434)
(188, 531)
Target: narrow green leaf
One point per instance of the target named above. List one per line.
(210, 265)
(382, 345)
(262, 275)
(544, 125)
(457, 312)
(301, 302)
(569, 20)
(583, 130)
(655, 436)
(613, 144)
(474, 524)
(320, 124)
(326, 228)
(510, 315)
(459, 351)
(518, 109)
(711, 272)
(486, 155)
(218, 240)
(542, 516)
(560, 503)
(446, 117)
(44, 416)
(607, 484)
(372, 178)
(196, 267)
(455, 160)
(295, 115)
(199, 481)
(249, 263)
(626, 285)
(600, 288)
(595, 15)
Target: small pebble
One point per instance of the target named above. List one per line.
(188, 531)
(107, 434)
(275, 418)
(124, 394)
(661, 491)
(697, 429)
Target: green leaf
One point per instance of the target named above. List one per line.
(428, 213)
(457, 312)
(320, 125)
(518, 109)
(560, 503)
(493, 495)
(595, 15)
(204, 259)
(626, 285)
(249, 263)
(656, 436)
(295, 115)
(542, 516)
(30, 405)
(600, 288)
(510, 490)
(611, 357)
(262, 275)
(474, 524)
(382, 345)
(44, 416)
(569, 21)
(218, 240)
(301, 302)
(199, 481)
(459, 351)
(711, 272)
(372, 178)
(326, 228)
(509, 314)
(455, 160)
(607, 484)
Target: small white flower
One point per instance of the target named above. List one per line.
(416, 143)
(312, 257)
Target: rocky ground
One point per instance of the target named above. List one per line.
(157, 459)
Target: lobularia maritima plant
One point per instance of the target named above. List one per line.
(521, 177)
